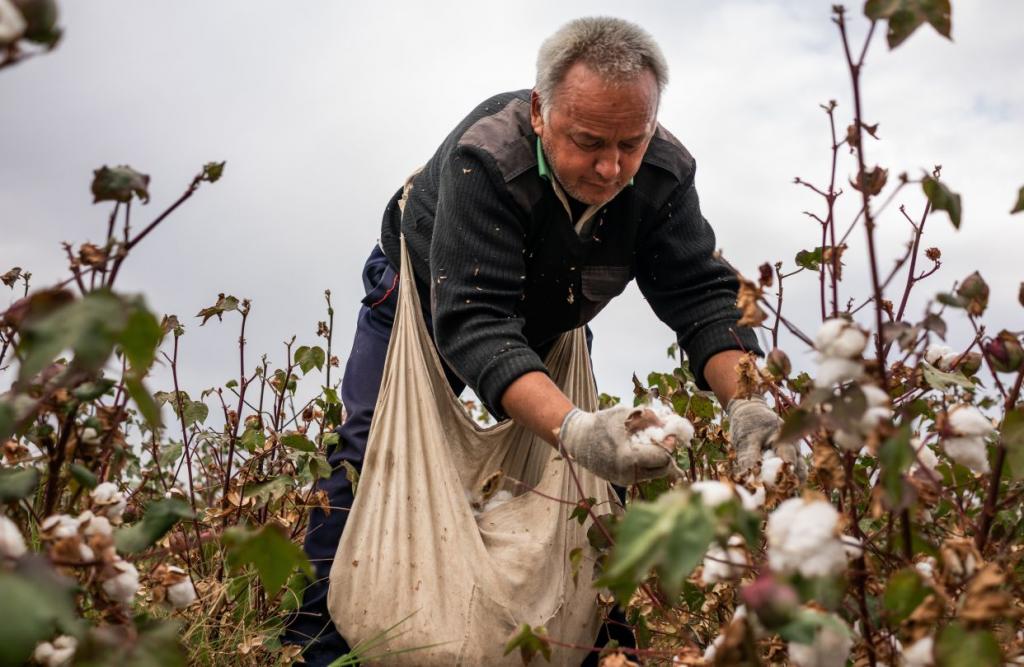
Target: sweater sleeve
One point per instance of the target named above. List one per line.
(687, 287)
(477, 274)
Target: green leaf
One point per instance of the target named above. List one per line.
(252, 439)
(7, 420)
(939, 15)
(319, 467)
(942, 380)
(309, 357)
(119, 184)
(17, 483)
(268, 550)
(881, 9)
(530, 641)
(905, 591)
(223, 305)
(158, 519)
(212, 171)
(956, 646)
(268, 491)
(170, 454)
(90, 391)
(902, 25)
(38, 606)
(670, 534)
(942, 198)
(141, 336)
(797, 424)
(1013, 440)
(1019, 206)
(83, 476)
(194, 411)
(809, 259)
(351, 474)
(575, 561)
(298, 441)
(895, 457)
(701, 406)
(330, 439)
(144, 400)
(582, 510)
(88, 326)
(331, 396)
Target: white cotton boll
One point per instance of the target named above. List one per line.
(672, 424)
(181, 594)
(108, 501)
(834, 370)
(839, 338)
(851, 442)
(941, 356)
(830, 648)
(85, 553)
(852, 547)
(712, 649)
(57, 653)
(713, 493)
(771, 466)
(12, 543)
(925, 455)
(920, 654)
(90, 436)
(725, 564)
(96, 525)
(59, 526)
(968, 451)
(802, 538)
(752, 501)
(969, 420)
(123, 586)
(498, 499)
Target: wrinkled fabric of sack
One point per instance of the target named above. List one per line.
(416, 574)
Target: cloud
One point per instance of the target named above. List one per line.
(321, 111)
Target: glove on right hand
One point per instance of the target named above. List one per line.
(598, 441)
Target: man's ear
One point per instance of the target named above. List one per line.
(536, 117)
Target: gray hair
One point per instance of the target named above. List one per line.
(616, 49)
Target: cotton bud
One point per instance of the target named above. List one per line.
(772, 600)
(108, 501)
(90, 436)
(56, 653)
(970, 363)
(12, 544)
(974, 291)
(124, 582)
(58, 527)
(1004, 352)
(840, 338)
(803, 537)
(778, 364)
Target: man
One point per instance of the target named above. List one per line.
(535, 211)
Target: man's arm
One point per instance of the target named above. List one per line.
(537, 403)
(720, 373)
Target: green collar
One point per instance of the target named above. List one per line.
(542, 165)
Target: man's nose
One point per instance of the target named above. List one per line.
(607, 166)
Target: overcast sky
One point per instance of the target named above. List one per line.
(322, 108)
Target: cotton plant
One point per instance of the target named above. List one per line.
(840, 344)
(803, 537)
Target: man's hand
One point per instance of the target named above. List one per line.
(598, 441)
(754, 427)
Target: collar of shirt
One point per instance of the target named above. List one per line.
(545, 172)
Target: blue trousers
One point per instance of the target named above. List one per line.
(311, 625)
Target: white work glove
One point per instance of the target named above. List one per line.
(754, 427)
(598, 441)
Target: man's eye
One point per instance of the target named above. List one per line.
(587, 145)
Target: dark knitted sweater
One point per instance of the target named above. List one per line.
(506, 272)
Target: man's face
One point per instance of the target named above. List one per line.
(596, 132)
